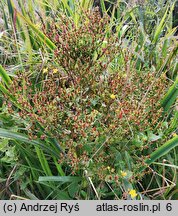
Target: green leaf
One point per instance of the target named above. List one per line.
(160, 27)
(170, 97)
(23, 138)
(103, 8)
(5, 91)
(39, 33)
(73, 188)
(10, 8)
(62, 195)
(152, 137)
(164, 149)
(173, 125)
(43, 162)
(66, 6)
(58, 166)
(128, 160)
(167, 165)
(169, 58)
(4, 145)
(30, 195)
(5, 76)
(127, 185)
(60, 178)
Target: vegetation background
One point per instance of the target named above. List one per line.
(88, 102)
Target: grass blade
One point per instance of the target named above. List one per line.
(103, 6)
(40, 34)
(58, 167)
(170, 97)
(160, 27)
(5, 76)
(43, 162)
(67, 7)
(169, 58)
(5, 91)
(164, 149)
(60, 178)
(23, 138)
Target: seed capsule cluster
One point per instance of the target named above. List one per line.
(94, 114)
